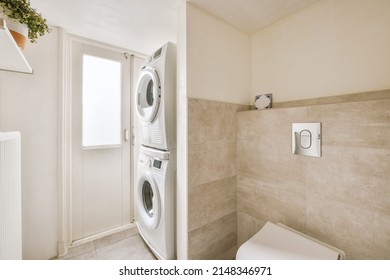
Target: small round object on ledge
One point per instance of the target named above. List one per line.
(263, 101)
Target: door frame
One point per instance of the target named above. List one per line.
(64, 140)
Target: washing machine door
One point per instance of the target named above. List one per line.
(148, 95)
(148, 201)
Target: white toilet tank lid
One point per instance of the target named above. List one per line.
(279, 242)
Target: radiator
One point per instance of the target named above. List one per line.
(10, 197)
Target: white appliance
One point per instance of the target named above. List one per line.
(279, 242)
(156, 99)
(155, 201)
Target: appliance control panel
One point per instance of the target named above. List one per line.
(157, 164)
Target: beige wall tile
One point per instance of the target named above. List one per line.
(276, 203)
(213, 240)
(274, 163)
(211, 161)
(362, 124)
(228, 255)
(261, 124)
(355, 176)
(247, 226)
(211, 201)
(359, 231)
(212, 178)
(211, 120)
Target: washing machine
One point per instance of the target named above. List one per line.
(155, 201)
(156, 99)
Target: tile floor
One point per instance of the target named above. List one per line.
(125, 245)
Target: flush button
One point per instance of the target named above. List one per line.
(305, 139)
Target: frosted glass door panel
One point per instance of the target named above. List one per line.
(101, 102)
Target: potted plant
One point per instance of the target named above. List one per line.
(23, 21)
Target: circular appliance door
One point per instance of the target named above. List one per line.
(148, 95)
(148, 201)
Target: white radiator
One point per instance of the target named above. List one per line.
(10, 197)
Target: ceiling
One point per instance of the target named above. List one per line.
(251, 15)
(144, 25)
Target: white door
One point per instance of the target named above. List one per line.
(101, 188)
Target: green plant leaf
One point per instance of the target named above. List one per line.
(21, 11)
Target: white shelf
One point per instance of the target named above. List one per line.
(11, 57)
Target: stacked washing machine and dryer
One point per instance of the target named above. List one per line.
(155, 190)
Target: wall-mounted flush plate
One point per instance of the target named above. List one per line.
(306, 139)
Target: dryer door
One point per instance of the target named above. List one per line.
(148, 95)
(148, 201)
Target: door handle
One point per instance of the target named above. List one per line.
(126, 134)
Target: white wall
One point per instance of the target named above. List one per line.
(332, 47)
(182, 147)
(213, 61)
(28, 103)
(218, 59)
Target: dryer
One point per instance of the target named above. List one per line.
(155, 201)
(156, 99)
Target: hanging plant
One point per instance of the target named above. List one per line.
(21, 11)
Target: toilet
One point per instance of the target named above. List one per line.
(279, 242)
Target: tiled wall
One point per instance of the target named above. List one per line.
(212, 179)
(342, 198)
(242, 173)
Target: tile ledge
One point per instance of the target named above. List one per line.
(337, 99)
